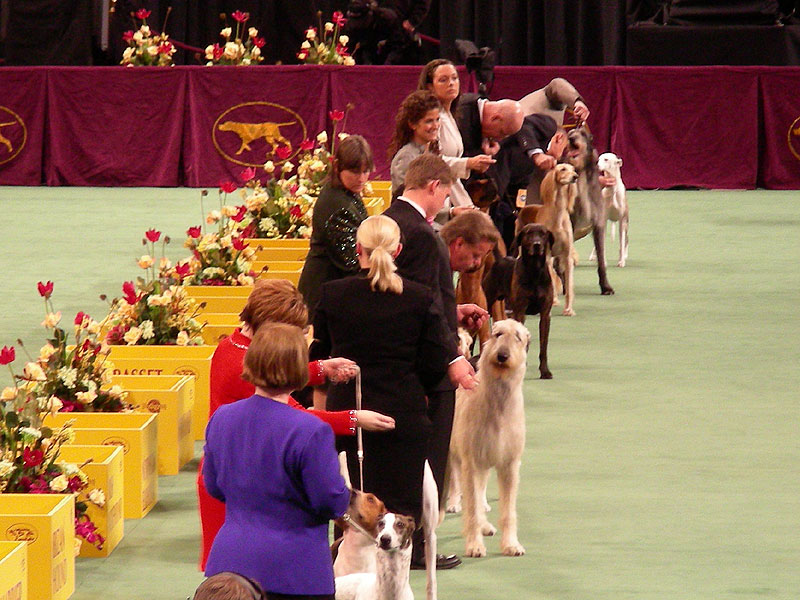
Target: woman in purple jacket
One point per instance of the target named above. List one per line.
(276, 469)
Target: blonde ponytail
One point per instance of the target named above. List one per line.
(379, 238)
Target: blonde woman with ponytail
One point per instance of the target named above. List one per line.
(389, 326)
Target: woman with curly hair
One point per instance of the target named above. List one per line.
(415, 132)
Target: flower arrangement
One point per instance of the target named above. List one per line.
(72, 377)
(28, 450)
(239, 50)
(146, 48)
(221, 257)
(155, 309)
(326, 45)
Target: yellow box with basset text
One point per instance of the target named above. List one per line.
(171, 360)
(172, 398)
(105, 472)
(217, 326)
(46, 523)
(137, 433)
(13, 571)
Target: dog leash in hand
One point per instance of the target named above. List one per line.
(359, 439)
(351, 522)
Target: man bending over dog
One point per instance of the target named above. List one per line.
(425, 259)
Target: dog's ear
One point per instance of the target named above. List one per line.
(518, 244)
(619, 161)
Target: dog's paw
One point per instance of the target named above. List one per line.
(621, 264)
(486, 506)
(475, 550)
(607, 290)
(569, 312)
(454, 507)
(488, 529)
(546, 374)
(513, 549)
(556, 301)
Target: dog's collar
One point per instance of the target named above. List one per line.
(351, 522)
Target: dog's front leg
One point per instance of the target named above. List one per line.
(544, 335)
(599, 235)
(623, 240)
(508, 484)
(569, 289)
(473, 538)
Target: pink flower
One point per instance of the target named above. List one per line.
(296, 211)
(306, 145)
(45, 289)
(283, 152)
(131, 297)
(293, 189)
(39, 487)
(127, 36)
(74, 484)
(142, 14)
(32, 458)
(80, 317)
(336, 115)
(249, 231)
(7, 355)
(218, 51)
(228, 187)
(238, 243)
(165, 48)
(194, 232)
(248, 174)
(239, 16)
(258, 42)
(338, 19)
(152, 235)
(239, 215)
(302, 55)
(182, 269)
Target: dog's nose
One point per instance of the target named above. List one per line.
(385, 541)
(502, 357)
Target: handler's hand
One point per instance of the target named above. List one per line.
(339, 370)
(462, 374)
(581, 111)
(543, 161)
(480, 162)
(374, 421)
(490, 146)
(607, 180)
(471, 316)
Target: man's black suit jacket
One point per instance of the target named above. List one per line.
(468, 120)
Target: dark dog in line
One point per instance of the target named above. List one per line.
(590, 213)
(524, 282)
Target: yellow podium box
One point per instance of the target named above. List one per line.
(382, 190)
(279, 269)
(218, 326)
(194, 291)
(278, 243)
(106, 473)
(46, 523)
(374, 206)
(13, 571)
(171, 360)
(172, 398)
(270, 253)
(231, 305)
(137, 433)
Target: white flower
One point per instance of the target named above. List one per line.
(60, 483)
(116, 391)
(164, 263)
(245, 279)
(252, 32)
(269, 166)
(33, 372)
(145, 30)
(209, 52)
(97, 497)
(229, 210)
(245, 61)
(213, 217)
(343, 39)
(322, 137)
(183, 339)
(51, 404)
(231, 50)
(305, 45)
(127, 53)
(311, 33)
(137, 37)
(343, 136)
(266, 223)
(155, 300)
(349, 61)
(152, 50)
(51, 319)
(304, 231)
(287, 166)
(86, 397)
(31, 432)
(70, 469)
(5, 468)
(147, 330)
(328, 26)
(317, 165)
(132, 336)
(301, 190)
(226, 33)
(255, 52)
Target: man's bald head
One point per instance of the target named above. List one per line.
(501, 119)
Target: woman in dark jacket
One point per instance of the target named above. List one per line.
(337, 214)
(388, 326)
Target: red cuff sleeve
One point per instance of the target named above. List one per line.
(316, 373)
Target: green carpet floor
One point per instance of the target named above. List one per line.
(662, 461)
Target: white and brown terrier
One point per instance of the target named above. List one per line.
(393, 561)
(356, 551)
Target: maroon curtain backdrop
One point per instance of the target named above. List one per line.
(22, 117)
(780, 115)
(238, 116)
(114, 126)
(687, 126)
(375, 96)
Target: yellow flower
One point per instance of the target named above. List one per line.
(34, 372)
(229, 210)
(213, 217)
(311, 33)
(183, 339)
(146, 261)
(52, 319)
(226, 33)
(9, 393)
(132, 335)
(164, 263)
(349, 61)
(60, 483)
(46, 352)
(252, 32)
(245, 279)
(231, 50)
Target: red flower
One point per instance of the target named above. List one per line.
(338, 19)
(238, 243)
(306, 145)
(45, 289)
(74, 484)
(296, 211)
(7, 355)
(248, 174)
(283, 152)
(218, 51)
(336, 115)
(249, 231)
(32, 458)
(239, 16)
(239, 215)
(79, 318)
(259, 42)
(39, 487)
(127, 36)
(142, 14)
(293, 189)
(165, 48)
(194, 232)
(131, 297)
(182, 269)
(152, 235)
(228, 187)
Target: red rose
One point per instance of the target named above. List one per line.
(239, 16)
(7, 355)
(306, 145)
(32, 458)
(283, 152)
(131, 297)
(240, 214)
(296, 211)
(142, 14)
(45, 289)
(238, 243)
(165, 48)
(336, 115)
(259, 42)
(228, 187)
(182, 269)
(249, 231)
(127, 36)
(152, 235)
(218, 51)
(248, 174)
(194, 232)
(80, 317)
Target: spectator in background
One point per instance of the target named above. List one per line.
(415, 132)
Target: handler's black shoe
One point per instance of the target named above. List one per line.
(450, 561)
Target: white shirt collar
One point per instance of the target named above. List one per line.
(418, 208)
(481, 102)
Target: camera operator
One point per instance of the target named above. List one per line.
(386, 31)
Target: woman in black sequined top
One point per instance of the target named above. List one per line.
(337, 214)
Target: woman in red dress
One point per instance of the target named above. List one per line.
(276, 301)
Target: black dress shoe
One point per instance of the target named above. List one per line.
(442, 562)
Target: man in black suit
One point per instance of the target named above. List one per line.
(425, 259)
(484, 123)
